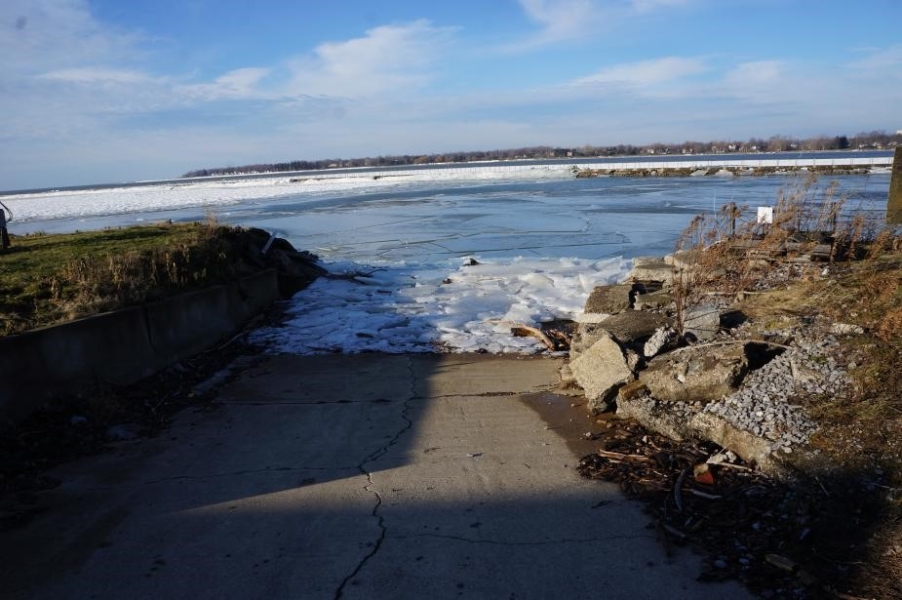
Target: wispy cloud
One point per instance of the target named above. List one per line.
(885, 62)
(95, 75)
(237, 84)
(644, 76)
(561, 20)
(763, 81)
(387, 58)
(47, 35)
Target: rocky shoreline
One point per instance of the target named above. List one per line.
(722, 379)
(729, 171)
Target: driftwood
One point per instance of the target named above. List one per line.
(527, 331)
(623, 457)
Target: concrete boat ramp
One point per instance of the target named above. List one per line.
(370, 476)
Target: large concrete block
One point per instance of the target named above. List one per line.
(609, 299)
(634, 325)
(600, 370)
(696, 374)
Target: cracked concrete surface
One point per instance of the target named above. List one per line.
(368, 476)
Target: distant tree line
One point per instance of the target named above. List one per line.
(873, 140)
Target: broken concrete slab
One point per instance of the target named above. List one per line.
(600, 370)
(653, 300)
(651, 269)
(634, 325)
(667, 418)
(696, 374)
(702, 323)
(683, 260)
(663, 339)
(609, 299)
(680, 421)
(585, 337)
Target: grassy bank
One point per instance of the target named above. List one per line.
(47, 279)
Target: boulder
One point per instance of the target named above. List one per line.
(696, 374)
(702, 323)
(680, 421)
(663, 339)
(600, 371)
(585, 337)
(569, 386)
(653, 300)
(753, 449)
(667, 418)
(651, 269)
(634, 325)
(609, 299)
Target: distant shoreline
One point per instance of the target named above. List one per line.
(834, 157)
(735, 171)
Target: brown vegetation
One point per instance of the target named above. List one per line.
(48, 279)
(821, 263)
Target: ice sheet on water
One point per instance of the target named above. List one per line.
(424, 308)
(156, 197)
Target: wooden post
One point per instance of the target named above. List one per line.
(894, 204)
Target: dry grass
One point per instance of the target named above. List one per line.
(47, 279)
(858, 281)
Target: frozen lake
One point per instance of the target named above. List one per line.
(541, 237)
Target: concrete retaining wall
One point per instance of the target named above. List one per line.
(124, 346)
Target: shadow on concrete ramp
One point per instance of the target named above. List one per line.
(373, 476)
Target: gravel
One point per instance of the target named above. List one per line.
(763, 405)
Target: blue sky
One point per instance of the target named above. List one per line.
(122, 90)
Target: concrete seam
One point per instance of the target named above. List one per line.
(290, 403)
(105, 488)
(537, 543)
(373, 456)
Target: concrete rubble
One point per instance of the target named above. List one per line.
(716, 386)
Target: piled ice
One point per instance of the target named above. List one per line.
(416, 308)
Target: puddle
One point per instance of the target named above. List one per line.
(568, 417)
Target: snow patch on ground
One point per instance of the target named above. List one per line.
(409, 308)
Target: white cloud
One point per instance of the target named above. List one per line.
(388, 58)
(49, 35)
(561, 20)
(94, 75)
(237, 84)
(755, 74)
(882, 62)
(649, 77)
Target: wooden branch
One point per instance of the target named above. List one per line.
(519, 330)
(619, 456)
